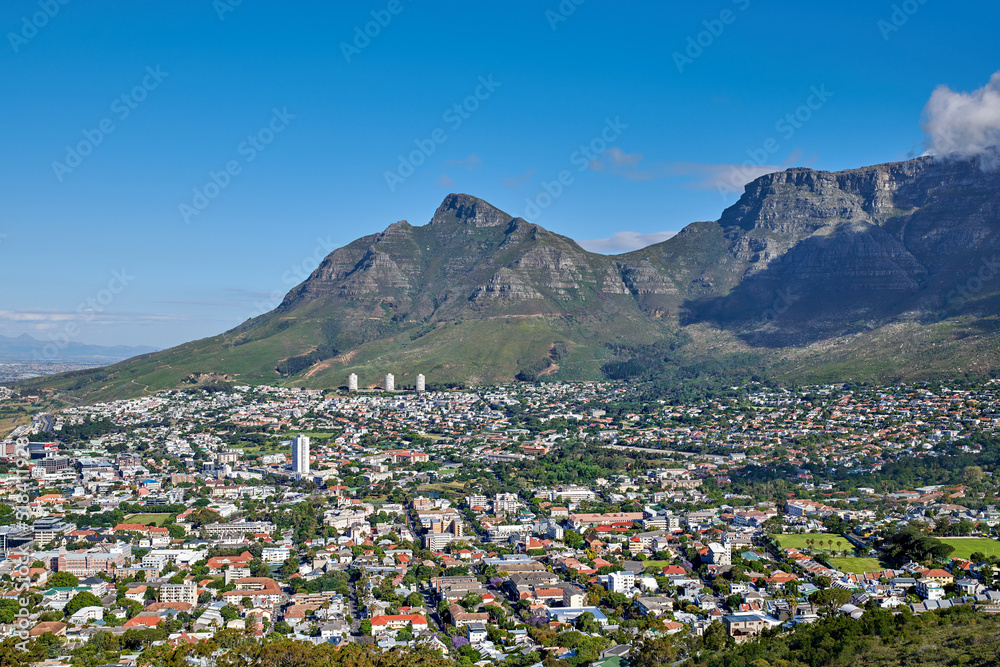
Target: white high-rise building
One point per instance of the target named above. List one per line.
(300, 455)
(421, 383)
(390, 382)
(352, 382)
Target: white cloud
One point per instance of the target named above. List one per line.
(725, 178)
(517, 181)
(470, 163)
(620, 158)
(445, 181)
(46, 319)
(624, 242)
(963, 124)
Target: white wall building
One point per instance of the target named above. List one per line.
(390, 382)
(621, 582)
(300, 455)
(421, 382)
(352, 382)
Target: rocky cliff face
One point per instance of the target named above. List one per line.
(871, 244)
(834, 249)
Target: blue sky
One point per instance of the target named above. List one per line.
(300, 120)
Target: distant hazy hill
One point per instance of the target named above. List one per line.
(884, 272)
(26, 348)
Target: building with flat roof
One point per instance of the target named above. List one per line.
(300, 455)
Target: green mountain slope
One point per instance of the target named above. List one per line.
(877, 273)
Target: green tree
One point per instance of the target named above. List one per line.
(64, 579)
(655, 652)
(831, 598)
(81, 600)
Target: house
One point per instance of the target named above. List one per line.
(937, 574)
(137, 594)
(55, 627)
(143, 622)
(929, 589)
(969, 586)
(382, 624)
(460, 617)
(476, 633)
(742, 627)
(260, 590)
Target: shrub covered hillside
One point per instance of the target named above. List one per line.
(957, 636)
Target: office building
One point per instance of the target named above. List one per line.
(300, 455)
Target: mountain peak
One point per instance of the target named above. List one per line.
(468, 210)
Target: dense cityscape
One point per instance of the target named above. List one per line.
(507, 525)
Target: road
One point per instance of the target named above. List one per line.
(45, 422)
(352, 609)
(666, 452)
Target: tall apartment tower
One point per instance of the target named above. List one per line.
(300, 455)
(352, 382)
(421, 383)
(390, 382)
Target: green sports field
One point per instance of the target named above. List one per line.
(146, 519)
(856, 565)
(965, 546)
(820, 544)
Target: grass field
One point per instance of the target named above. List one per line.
(964, 546)
(856, 565)
(443, 487)
(658, 564)
(146, 519)
(802, 542)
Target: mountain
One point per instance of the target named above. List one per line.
(25, 348)
(884, 272)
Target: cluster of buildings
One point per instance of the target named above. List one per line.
(186, 512)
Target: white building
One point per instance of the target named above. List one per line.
(505, 502)
(621, 582)
(390, 382)
(186, 592)
(719, 554)
(352, 382)
(421, 382)
(300, 455)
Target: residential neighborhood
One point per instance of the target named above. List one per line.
(495, 526)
